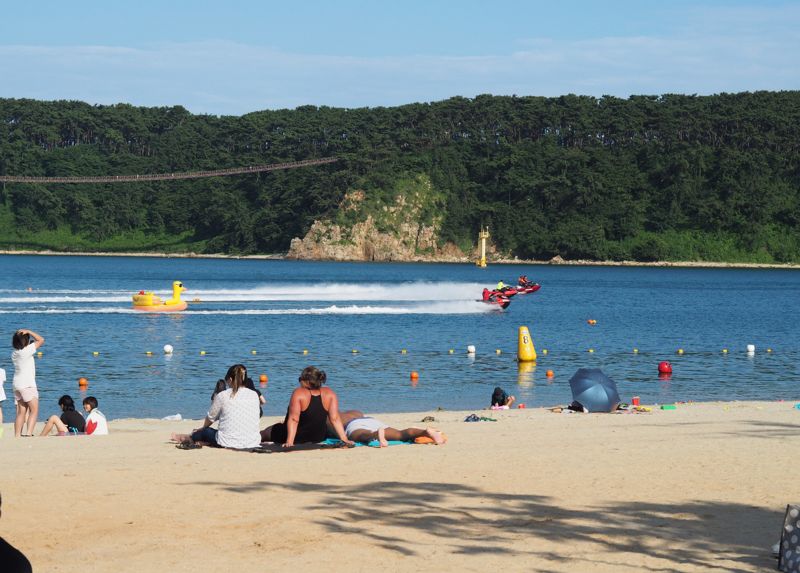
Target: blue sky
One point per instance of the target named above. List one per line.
(234, 57)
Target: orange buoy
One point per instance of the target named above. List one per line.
(414, 375)
(82, 382)
(263, 379)
(549, 374)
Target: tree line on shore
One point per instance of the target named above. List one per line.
(670, 177)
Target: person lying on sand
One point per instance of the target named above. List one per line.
(365, 429)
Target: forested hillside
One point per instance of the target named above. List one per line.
(650, 177)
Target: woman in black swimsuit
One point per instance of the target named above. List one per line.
(310, 407)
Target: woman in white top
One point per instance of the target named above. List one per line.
(237, 410)
(26, 395)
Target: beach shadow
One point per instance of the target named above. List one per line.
(771, 430)
(466, 520)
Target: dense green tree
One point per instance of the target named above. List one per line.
(649, 177)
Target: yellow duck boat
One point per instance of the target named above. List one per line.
(149, 302)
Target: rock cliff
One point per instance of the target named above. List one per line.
(403, 228)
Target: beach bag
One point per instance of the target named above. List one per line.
(789, 548)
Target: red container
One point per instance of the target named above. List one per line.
(635, 401)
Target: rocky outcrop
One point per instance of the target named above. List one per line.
(373, 232)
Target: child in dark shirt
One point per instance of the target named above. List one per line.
(70, 422)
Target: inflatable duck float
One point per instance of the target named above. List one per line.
(148, 302)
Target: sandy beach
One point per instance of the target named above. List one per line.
(700, 488)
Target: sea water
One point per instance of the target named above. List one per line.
(354, 320)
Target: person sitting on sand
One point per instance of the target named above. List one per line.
(70, 422)
(310, 408)
(237, 409)
(96, 424)
(501, 400)
(365, 429)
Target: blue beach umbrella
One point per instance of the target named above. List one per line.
(594, 390)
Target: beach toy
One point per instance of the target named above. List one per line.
(263, 379)
(635, 401)
(664, 367)
(526, 351)
(470, 349)
(168, 349)
(549, 374)
(82, 382)
(414, 375)
(669, 407)
(148, 302)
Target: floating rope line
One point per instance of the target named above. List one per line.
(169, 176)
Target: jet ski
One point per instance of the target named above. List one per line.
(527, 288)
(496, 298)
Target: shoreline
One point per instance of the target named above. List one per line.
(514, 261)
(532, 491)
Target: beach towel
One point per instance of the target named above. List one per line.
(789, 548)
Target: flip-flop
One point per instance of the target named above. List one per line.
(188, 446)
(472, 418)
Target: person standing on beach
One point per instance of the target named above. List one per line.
(26, 395)
(2, 398)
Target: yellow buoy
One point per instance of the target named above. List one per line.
(498, 351)
(451, 351)
(680, 350)
(526, 352)
(724, 350)
(403, 351)
(769, 350)
(39, 354)
(305, 351)
(253, 352)
(544, 351)
(636, 351)
(591, 350)
(149, 352)
(95, 353)
(355, 351)
(202, 353)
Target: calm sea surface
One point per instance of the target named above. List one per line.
(279, 309)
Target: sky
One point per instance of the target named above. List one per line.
(241, 56)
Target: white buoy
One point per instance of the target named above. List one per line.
(751, 348)
(470, 349)
(167, 349)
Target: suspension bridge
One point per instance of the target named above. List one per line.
(169, 176)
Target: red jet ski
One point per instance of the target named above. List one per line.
(524, 286)
(497, 298)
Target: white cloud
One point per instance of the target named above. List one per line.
(715, 51)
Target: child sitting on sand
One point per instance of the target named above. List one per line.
(501, 400)
(70, 422)
(96, 424)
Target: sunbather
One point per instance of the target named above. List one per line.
(365, 429)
